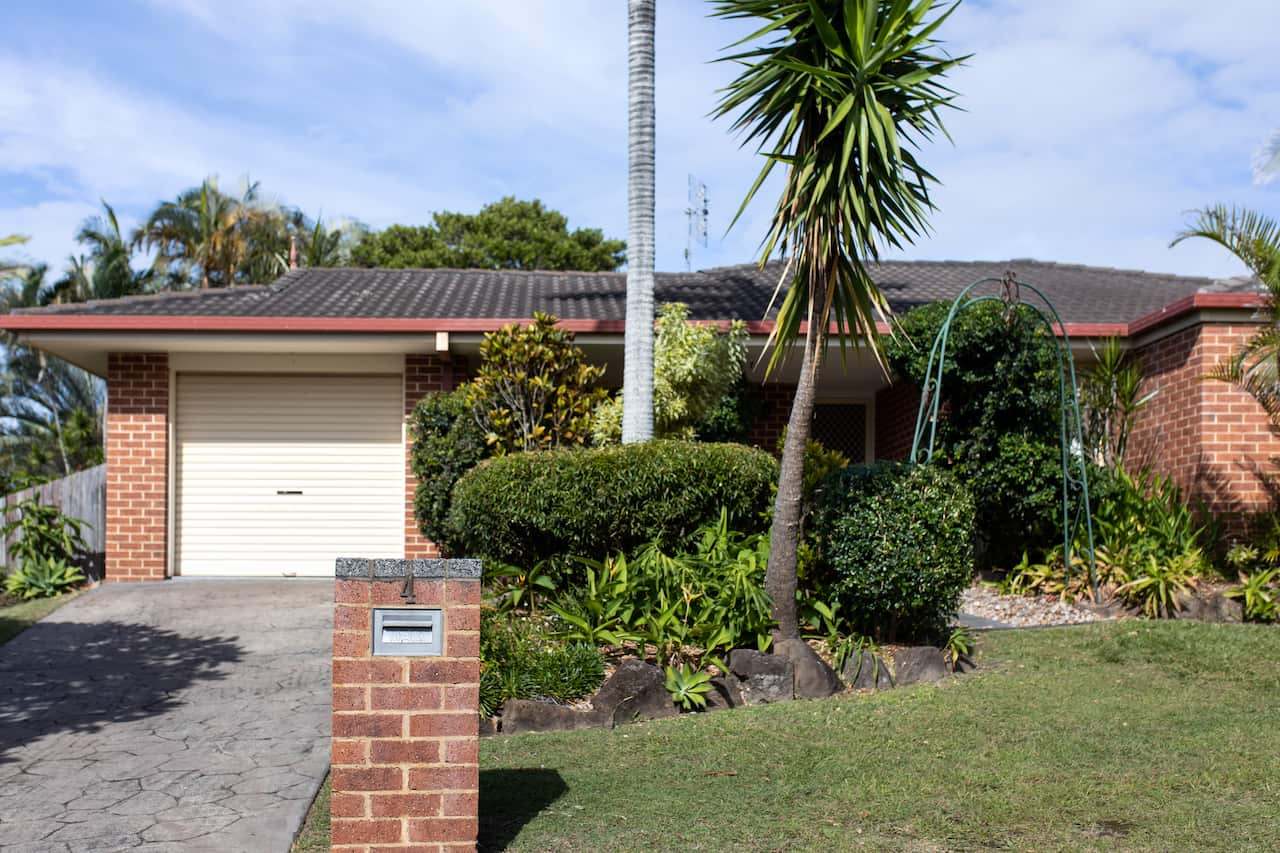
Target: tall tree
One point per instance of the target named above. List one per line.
(637, 367)
(507, 234)
(50, 418)
(106, 272)
(839, 92)
(1255, 240)
(200, 236)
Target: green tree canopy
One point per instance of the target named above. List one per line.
(508, 234)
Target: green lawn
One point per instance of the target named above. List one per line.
(16, 618)
(1129, 736)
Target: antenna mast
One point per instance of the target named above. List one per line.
(696, 213)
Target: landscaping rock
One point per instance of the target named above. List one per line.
(488, 726)
(765, 678)
(523, 715)
(919, 665)
(866, 671)
(726, 692)
(813, 678)
(1209, 606)
(636, 691)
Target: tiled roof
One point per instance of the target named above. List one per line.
(1081, 294)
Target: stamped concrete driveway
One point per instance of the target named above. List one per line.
(188, 715)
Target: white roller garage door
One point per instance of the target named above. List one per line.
(283, 474)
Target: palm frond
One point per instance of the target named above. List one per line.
(1249, 235)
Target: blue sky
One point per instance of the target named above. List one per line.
(1090, 126)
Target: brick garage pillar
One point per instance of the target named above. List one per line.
(137, 466)
(423, 374)
(897, 408)
(405, 729)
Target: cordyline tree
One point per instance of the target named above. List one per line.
(840, 93)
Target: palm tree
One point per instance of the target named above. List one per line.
(50, 416)
(637, 373)
(107, 271)
(839, 92)
(1266, 163)
(1255, 240)
(198, 236)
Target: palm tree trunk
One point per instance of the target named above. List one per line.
(637, 378)
(784, 536)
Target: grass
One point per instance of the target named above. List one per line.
(314, 837)
(16, 618)
(1125, 736)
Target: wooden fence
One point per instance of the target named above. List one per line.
(82, 495)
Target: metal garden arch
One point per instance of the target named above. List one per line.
(1075, 474)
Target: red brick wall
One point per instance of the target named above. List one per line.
(775, 411)
(405, 730)
(896, 410)
(422, 374)
(1213, 439)
(137, 466)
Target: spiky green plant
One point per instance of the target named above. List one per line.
(841, 94)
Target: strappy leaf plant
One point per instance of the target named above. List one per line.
(841, 94)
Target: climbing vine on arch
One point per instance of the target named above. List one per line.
(1002, 409)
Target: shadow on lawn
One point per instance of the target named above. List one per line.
(512, 797)
(71, 677)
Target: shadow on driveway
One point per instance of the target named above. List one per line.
(76, 677)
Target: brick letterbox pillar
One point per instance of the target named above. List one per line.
(406, 726)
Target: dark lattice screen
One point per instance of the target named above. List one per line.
(842, 427)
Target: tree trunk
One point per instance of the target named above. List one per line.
(784, 536)
(637, 376)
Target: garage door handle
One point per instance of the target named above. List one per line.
(288, 491)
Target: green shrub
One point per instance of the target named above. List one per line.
(527, 507)
(41, 531)
(534, 388)
(519, 659)
(42, 577)
(447, 442)
(695, 367)
(706, 595)
(1000, 432)
(896, 547)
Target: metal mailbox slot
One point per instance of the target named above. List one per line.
(400, 632)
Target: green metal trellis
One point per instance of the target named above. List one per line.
(1075, 474)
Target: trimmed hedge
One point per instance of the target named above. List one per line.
(528, 507)
(896, 547)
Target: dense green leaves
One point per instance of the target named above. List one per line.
(446, 443)
(527, 507)
(896, 548)
(507, 234)
(1001, 433)
(695, 367)
(534, 389)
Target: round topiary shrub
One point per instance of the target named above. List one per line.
(528, 507)
(896, 547)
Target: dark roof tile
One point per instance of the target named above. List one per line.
(1081, 294)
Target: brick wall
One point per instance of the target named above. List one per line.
(1213, 439)
(422, 374)
(775, 411)
(137, 440)
(896, 410)
(405, 729)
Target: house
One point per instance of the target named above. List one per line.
(260, 429)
